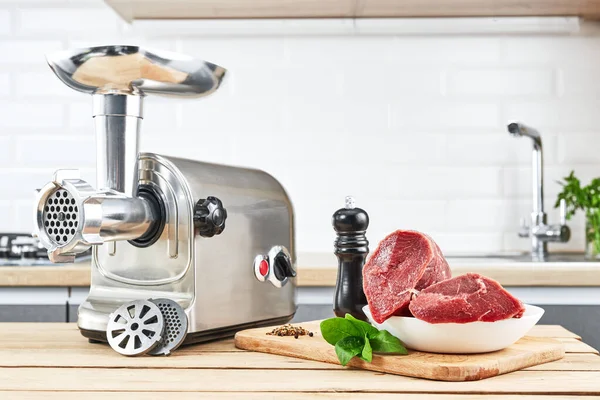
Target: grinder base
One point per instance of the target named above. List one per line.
(201, 337)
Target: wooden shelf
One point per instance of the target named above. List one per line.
(476, 8)
(231, 9)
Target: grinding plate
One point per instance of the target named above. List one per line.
(135, 328)
(176, 325)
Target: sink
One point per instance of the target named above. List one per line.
(520, 257)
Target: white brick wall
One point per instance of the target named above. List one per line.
(4, 84)
(528, 82)
(44, 84)
(427, 114)
(5, 24)
(19, 52)
(413, 126)
(32, 114)
(66, 21)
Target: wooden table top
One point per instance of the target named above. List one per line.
(53, 361)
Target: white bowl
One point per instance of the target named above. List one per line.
(472, 337)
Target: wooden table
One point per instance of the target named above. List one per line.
(52, 361)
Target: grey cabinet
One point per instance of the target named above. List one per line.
(32, 313)
(584, 320)
(311, 312)
(33, 304)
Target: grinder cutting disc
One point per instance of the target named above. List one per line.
(176, 325)
(135, 328)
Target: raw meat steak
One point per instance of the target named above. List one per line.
(403, 263)
(465, 298)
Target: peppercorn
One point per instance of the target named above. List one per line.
(310, 334)
(289, 330)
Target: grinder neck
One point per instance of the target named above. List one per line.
(117, 119)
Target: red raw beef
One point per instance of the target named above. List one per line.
(465, 298)
(403, 263)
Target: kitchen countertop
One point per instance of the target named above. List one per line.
(63, 275)
(507, 274)
(53, 361)
(319, 270)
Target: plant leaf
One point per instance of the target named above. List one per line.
(352, 337)
(576, 196)
(336, 329)
(367, 329)
(349, 347)
(385, 342)
(367, 351)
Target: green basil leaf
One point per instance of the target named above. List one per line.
(367, 329)
(385, 342)
(336, 329)
(367, 352)
(349, 347)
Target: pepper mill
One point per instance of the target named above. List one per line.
(351, 249)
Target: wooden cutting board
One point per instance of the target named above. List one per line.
(525, 353)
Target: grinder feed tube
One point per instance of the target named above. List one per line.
(117, 119)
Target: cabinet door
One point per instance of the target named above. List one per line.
(33, 304)
(33, 313)
(584, 320)
(72, 309)
(311, 312)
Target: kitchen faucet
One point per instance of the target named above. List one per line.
(538, 230)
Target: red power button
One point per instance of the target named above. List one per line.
(263, 268)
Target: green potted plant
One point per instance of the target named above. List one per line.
(587, 199)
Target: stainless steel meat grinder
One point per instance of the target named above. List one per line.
(216, 239)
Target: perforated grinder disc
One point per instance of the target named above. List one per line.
(61, 217)
(176, 325)
(135, 328)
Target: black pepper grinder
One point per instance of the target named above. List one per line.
(351, 249)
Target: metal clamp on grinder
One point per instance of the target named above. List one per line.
(218, 240)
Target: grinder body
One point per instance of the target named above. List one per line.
(212, 278)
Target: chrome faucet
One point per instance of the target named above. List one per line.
(538, 230)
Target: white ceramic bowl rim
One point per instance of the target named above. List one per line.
(531, 311)
(456, 338)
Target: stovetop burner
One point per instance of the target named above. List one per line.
(25, 250)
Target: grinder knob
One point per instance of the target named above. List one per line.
(282, 267)
(210, 216)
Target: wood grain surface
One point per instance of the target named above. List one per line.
(30, 395)
(528, 351)
(215, 9)
(52, 361)
(510, 274)
(68, 275)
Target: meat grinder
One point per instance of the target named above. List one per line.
(218, 240)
